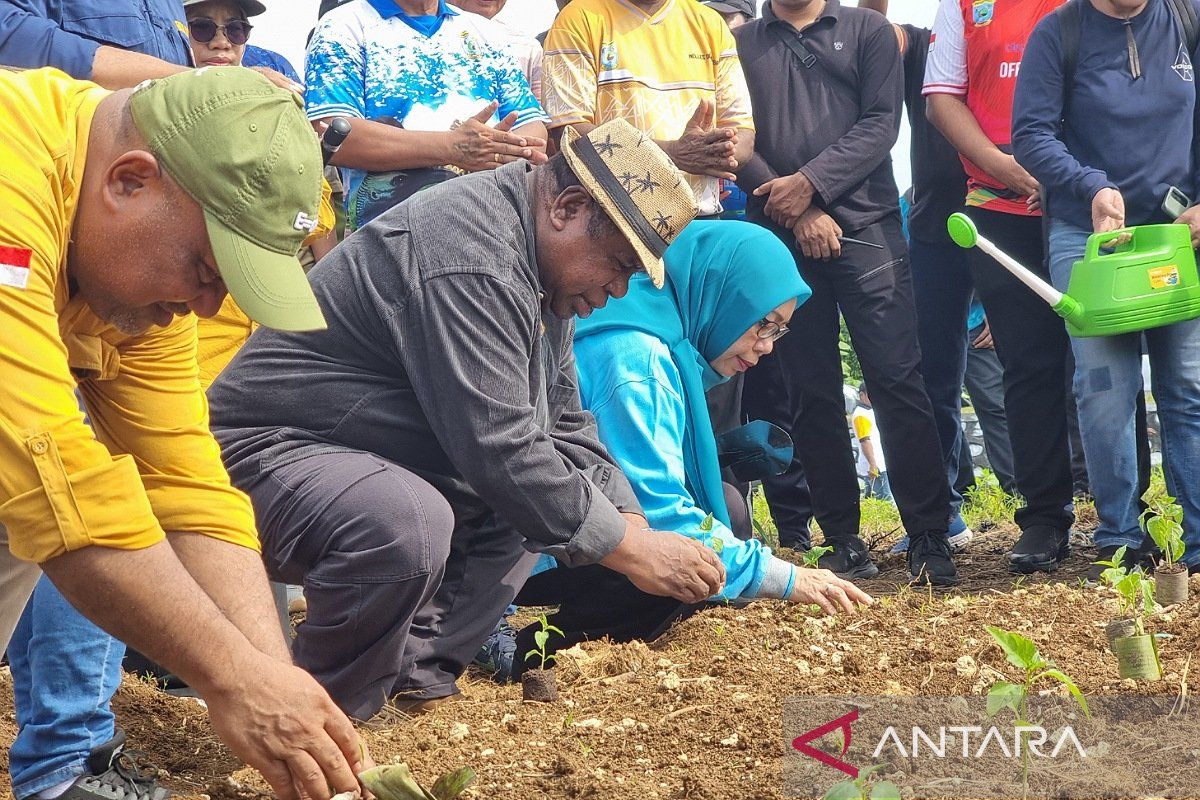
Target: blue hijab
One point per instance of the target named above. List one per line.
(722, 278)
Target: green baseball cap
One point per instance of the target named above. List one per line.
(243, 149)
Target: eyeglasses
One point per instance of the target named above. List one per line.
(771, 331)
(205, 30)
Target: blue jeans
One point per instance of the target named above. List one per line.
(1107, 379)
(65, 671)
(878, 487)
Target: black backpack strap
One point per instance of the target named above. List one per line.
(1070, 30)
(1185, 17)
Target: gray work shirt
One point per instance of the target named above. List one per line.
(835, 120)
(439, 358)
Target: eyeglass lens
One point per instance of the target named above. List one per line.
(205, 30)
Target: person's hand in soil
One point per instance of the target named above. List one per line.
(667, 564)
(279, 720)
(828, 591)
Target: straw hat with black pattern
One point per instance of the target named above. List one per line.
(636, 184)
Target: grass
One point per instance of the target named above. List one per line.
(984, 507)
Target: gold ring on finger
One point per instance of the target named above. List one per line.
(497, 157)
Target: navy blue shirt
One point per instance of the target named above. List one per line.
(1137, 136)
(66, 33)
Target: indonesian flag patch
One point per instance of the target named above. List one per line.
(14, 267)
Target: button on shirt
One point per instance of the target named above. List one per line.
(835, 121)
(369, 60)
(66, 33)
(147, 463)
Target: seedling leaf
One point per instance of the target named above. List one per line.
(1004, 695)
(394, 782)
(814, 554)
(1065, 680)
(1021, 652)
(846, 790)
(452, 784)
(885, 790)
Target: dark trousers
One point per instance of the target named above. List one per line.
(400, 592)
(799, 387)
(942, 294)
(1031, 341)
(985, 385)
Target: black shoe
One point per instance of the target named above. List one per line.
(1041, 548)
(1143, 557)
(117, 774)
(1194, 569)
(929, 560)
(849, 560)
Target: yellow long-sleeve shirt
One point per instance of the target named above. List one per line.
(147, 463)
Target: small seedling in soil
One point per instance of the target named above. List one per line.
(1163, 521)
(814, 554)
(1023, 654)
(538, 685)
(397, 782)
(863, 788)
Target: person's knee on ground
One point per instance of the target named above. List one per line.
(740, 520)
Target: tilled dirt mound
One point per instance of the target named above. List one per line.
(698, 714)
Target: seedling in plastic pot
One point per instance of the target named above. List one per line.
(1024, 655)
(1163, 521)
(863, 788)
(397, 782)
(1137, 652)
(538, 684)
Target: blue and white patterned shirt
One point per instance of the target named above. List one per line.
(370, 60)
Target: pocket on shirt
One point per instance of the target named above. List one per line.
(91, 19)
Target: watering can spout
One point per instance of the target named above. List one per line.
(964, 233)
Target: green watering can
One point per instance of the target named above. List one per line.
(1145, 279)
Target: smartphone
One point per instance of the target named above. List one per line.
(1175, 203)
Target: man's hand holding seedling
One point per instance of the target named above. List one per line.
(667, 564)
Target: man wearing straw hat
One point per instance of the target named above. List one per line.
(407, 464)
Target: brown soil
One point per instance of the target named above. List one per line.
(697, 715)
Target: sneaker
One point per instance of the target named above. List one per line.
(1134, 557)
(849, 560)
(958, 541)
(117, 774)
(1041, 548)
(929, 560)
(496, 654)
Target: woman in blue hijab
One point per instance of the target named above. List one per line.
(644, 363)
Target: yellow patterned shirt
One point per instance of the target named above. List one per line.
(609, 59)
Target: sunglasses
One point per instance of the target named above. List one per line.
(205, 30)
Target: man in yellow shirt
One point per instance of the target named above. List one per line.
(670, 68)
(125, 213)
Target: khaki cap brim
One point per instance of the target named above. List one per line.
(650, 262)
(269, 286)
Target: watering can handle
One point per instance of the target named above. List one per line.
(1097, 241)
